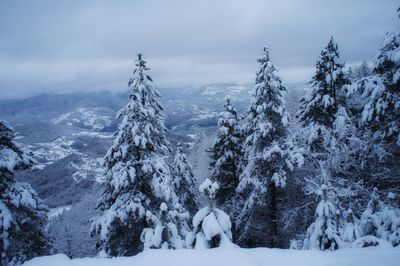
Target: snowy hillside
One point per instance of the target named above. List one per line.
(92, 118)
(232, 257)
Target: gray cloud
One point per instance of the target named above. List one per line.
(54, 46)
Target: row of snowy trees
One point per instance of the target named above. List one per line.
(149, 202)
(348, 130)
(266, 178)
(352, 129)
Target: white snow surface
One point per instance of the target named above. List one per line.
(54, 151)
(372, 256)
(89, 117)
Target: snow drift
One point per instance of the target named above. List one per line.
(236, 256)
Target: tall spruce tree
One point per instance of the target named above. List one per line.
(184, 183)
(269, 154)
(353, 157)
(330, 134)
(226, 155)
(138, 178)
(317, 111)
(23, 215)
(321, 103)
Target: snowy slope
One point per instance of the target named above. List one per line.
(95, 119)
(236, 256)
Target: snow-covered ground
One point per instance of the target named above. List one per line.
(237, 256)
(92, 118)
(53, 151)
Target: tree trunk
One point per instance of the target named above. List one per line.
(273, 214)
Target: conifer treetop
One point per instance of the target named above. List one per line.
(209, 188)
(267, 114)
(139, 71)
(319, 106)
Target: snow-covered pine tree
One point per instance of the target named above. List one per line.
(354, 156)
(352, 230)
(212, 226)
(163, 232)
(226, 155)
(380, 223)
(184, 182)
(343, 144)
(370, 220)
(269, 154)
(138, 178)
(23, 215)
(323, 234)
(319, 106)
(376, 223)
(389, 225)
(350, 151)
(380, 92)
(394, 237)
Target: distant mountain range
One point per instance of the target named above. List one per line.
(96, 110)
(70, 133)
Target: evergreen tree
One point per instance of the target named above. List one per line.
(212, 226)
(370, 220)
(317, 111)
(324, 233)
(380, 222)
(394, 237)
(350, 152)
(184, 182)
(23, 215)
(380, 92)
(163, 232)
(344, 144)
(269, 154)
(138, 179)
(330, 134)
(352, 230)
(320, 105)
(226, 155)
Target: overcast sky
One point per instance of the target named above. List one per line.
(61, 46)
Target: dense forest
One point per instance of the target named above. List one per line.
(327, 178)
